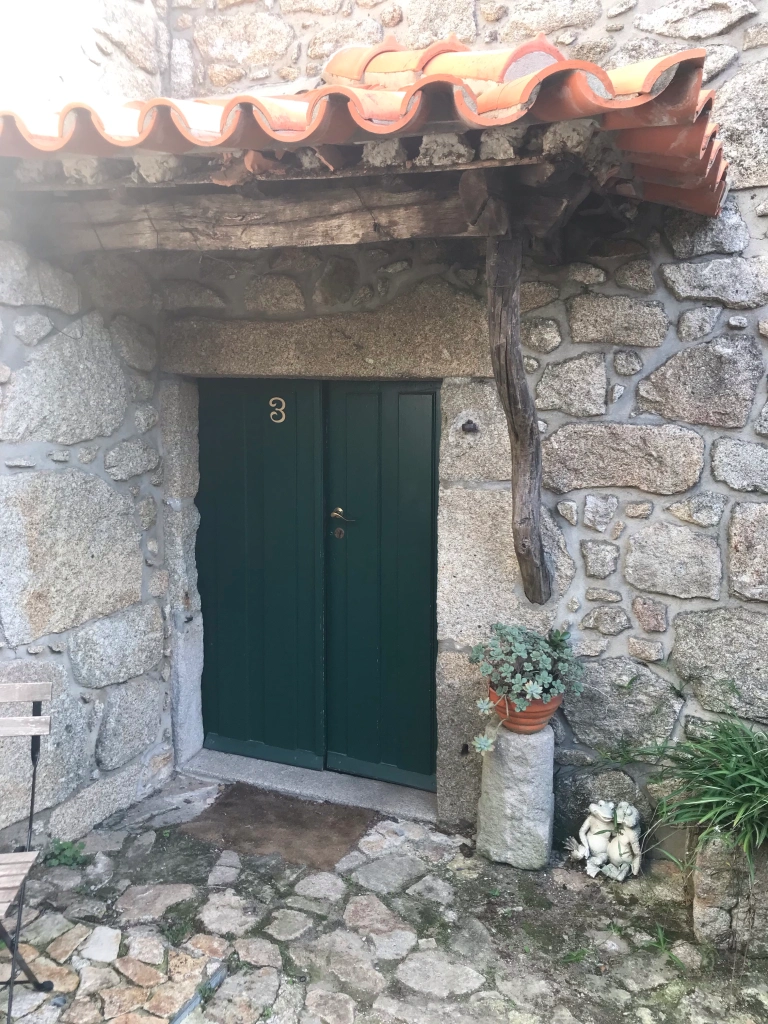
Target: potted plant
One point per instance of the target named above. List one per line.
(527, 674)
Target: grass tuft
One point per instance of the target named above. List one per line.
(720, 786)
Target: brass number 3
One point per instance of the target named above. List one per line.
(278, 407)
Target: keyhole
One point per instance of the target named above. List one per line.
(338, 533)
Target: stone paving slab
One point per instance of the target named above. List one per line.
(407, 930)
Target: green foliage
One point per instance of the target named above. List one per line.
(65, 854)
(662, 944)
(622, 754)
(576, 956)
(178, 922)
(206, 991)
(525, 666)
(522, 666)
(720, 784)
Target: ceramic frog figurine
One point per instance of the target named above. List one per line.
(609, 840)
(594, 835)
(624, 848)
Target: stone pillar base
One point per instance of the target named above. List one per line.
(517, 801)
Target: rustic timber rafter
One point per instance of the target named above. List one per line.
(303, 215)
(266, 215)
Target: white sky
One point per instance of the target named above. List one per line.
(50, 57)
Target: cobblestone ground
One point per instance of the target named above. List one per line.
(410, 927)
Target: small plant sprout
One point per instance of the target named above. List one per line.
(663, 945)
(485, 706)
(522, 666)
(66, 854)
(576, 956)
(483, 743)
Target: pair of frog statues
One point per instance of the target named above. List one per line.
(609, 840)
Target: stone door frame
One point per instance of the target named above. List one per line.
(180, 426)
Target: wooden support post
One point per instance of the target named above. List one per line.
(503, 265)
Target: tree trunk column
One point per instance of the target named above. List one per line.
(503, 267)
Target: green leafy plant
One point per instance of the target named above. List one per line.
(576, 956)
(65, 854)
(662, 944)
(720, 782)
(522, 666)
(206, 991)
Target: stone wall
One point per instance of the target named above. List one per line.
(84, 587)
(644, 350)
(651, 390)
(730, 909)
(646, 388)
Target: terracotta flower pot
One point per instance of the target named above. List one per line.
(533, 719)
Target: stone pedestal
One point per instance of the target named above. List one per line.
(517, 801)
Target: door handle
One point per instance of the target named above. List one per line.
(338, 513)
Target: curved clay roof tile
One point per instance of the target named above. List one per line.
(655, 111)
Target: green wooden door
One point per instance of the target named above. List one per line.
(260, 567)
(381, 581)
(320, 633)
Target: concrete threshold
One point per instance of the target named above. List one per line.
(328, 787)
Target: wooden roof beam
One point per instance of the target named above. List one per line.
(347, 213)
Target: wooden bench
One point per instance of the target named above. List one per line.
(14, 867)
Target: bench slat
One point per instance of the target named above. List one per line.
(12, 871)
(9, 892)
(22, 857)
(28, 726)
(11, 693)
(10, 885)
(4, 907)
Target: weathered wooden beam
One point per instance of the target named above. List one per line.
(494, 200)
(307, 216)
(484, 195)
(503, 266)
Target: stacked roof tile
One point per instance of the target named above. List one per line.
(656, 113)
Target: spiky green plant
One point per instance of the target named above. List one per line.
(662, 944)
(720, 782)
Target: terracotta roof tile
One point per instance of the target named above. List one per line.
(655, 111)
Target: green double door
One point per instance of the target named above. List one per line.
(320, 628)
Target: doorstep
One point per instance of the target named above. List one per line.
(329, 787)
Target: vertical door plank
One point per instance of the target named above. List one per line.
(260, 559)
(354, 648)
(408, 581)
(382, 440)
